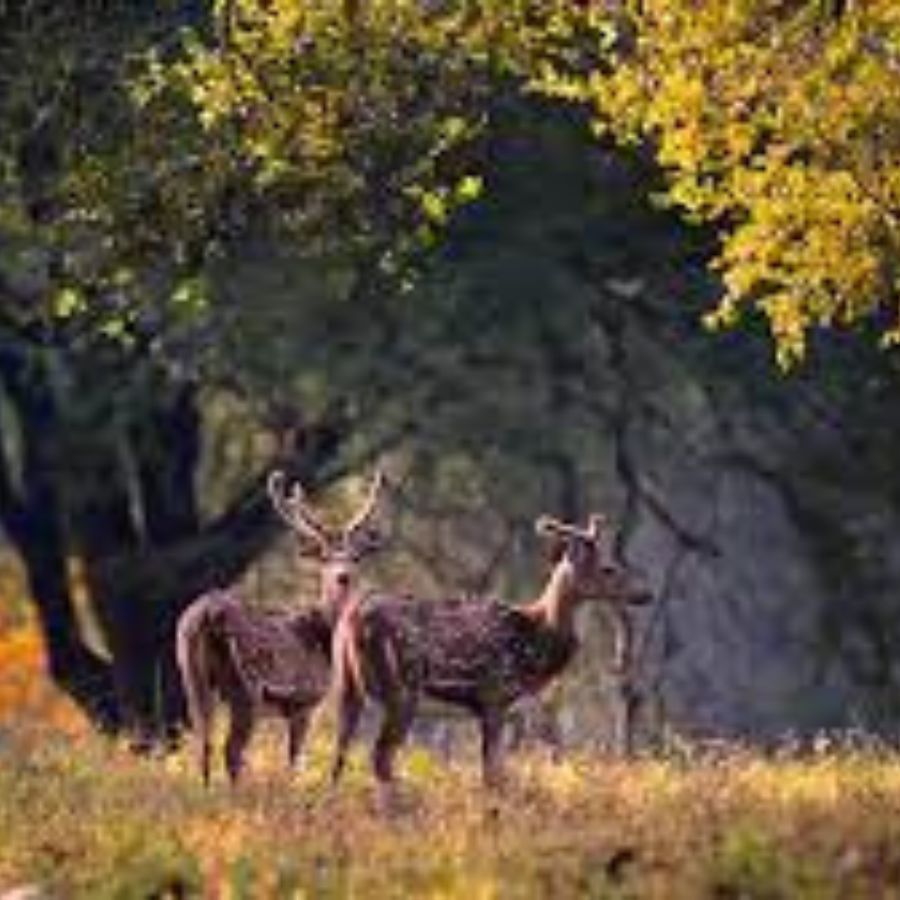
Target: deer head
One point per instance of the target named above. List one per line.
(586, 565)
(338, 550)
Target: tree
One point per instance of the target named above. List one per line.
(325, 142)
(102, 394)
(778, 123)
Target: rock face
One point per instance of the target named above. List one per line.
(734, 646)
(764, 508)
(763, 505)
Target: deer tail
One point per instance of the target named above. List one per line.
(194, 653)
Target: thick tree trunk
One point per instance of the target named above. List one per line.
(73, 666)
(71, 492)
(142, 586)
(165, 446)
(31, 513)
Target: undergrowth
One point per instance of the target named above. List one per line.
(84, 817)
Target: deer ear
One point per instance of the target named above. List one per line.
(554, 542)
(548, 527)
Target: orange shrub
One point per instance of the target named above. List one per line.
(26, 692)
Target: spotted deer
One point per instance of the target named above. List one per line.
(264, 663)
(480, 655)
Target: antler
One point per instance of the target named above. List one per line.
(548, 526)
(358, 524)
(293, 509)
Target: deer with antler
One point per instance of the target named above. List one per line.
(482, 656)
(258, 662)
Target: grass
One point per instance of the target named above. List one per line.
(82, 817)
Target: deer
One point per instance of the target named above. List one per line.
(480, 655)
(264, 663)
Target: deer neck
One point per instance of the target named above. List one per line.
(555, 607)
(335, 602)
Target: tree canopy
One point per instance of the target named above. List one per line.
(779, 123)
(354, 123)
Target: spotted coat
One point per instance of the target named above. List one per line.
(473, 653)
(280, 659)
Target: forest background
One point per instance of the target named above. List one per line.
(539, 257)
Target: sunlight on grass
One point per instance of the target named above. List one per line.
(26, 693)
(82, 817)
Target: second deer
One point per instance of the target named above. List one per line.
(480, 655)
(259, 663)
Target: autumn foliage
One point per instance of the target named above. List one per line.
(779, 123)
(26, 693)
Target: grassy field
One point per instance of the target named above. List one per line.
(80, 817)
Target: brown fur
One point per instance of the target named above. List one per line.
(263, 663)
(256, 663)
(481, 655)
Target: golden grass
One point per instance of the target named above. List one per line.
(82, 817)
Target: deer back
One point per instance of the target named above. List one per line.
(474, 653)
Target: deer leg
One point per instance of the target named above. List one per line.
(202, 724)
(350, 706)
(198, 694)
(240, 730)
(398, 717)
(206, 752)
(298, 725)
(491, 722)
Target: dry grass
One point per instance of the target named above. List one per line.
(84, 818)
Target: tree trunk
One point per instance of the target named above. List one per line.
(31, 513)
(145, 586)
(134, 525)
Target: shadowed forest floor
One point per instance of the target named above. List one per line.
(81, 817)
